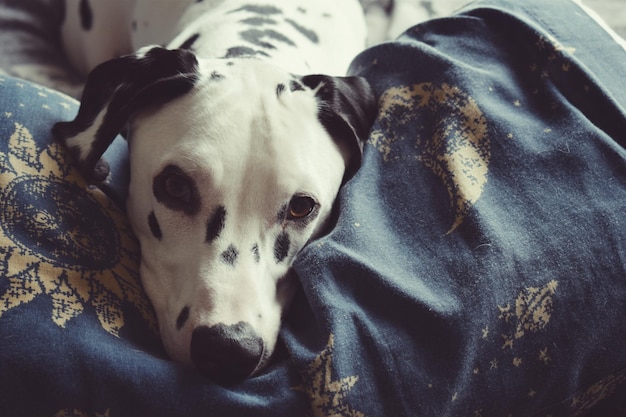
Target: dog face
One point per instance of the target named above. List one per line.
(235, 166)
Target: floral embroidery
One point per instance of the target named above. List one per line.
(48, 246)
(456, 148)
(326, 394)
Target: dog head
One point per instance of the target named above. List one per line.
(235, 166)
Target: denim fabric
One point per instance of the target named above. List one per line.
(478, 264)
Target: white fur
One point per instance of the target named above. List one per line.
(245, 147)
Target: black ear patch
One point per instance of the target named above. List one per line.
(119, 89)
(182, 318)
(347, 109)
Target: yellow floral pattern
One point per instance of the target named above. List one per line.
(457, 151)
(326, 394)
(599, 391)
(50, 247)
(533, 309)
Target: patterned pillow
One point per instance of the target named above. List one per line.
(68, 260)
(56, 226)
(78, 336)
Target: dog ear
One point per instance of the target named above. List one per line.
(117, 90)
(347, 109)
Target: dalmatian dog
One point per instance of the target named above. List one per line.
(241, 132)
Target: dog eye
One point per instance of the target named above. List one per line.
(300, 207)
(173, 188)
(178, 187)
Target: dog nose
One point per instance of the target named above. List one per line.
(226, 353)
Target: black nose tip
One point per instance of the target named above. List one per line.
(226, 354)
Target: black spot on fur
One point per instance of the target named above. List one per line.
(101, 170)
(230, 63)
(282, 213)
(229, 256)
(281, 247)
(258, 21)
(308, 33)
(302, 10)
(256, 253)
(182, 318)
(347, 109)
(188, 44)
(258, 37)
(188, 201)
(216, 76)
(257, 9)
(86, 15)
(280, 89)
(215, 225)
(295, 86)
(243, 51)
(154, 226)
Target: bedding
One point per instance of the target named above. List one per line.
(477, 266)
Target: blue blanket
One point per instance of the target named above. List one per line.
(477, 267)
